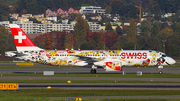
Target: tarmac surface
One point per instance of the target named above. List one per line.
(128, 70)
(141, 86)
(83, 70)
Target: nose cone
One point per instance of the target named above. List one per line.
(171, 61)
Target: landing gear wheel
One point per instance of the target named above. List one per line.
(93, 71)
(160, 72)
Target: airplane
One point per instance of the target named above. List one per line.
(110, 60)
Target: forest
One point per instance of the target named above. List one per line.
(152, 37)
(125, 8)
(155, 33)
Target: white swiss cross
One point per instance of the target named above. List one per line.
(20, 37)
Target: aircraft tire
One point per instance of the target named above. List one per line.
(93, 71)
(160, 72)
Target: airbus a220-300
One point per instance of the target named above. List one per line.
(110, 60)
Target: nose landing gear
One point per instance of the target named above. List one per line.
(160, 69)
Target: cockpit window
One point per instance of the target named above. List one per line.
(163, 55)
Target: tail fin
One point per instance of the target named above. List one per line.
(21, 40)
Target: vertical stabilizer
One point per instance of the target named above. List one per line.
(21, 40)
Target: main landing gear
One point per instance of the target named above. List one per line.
(93, 70)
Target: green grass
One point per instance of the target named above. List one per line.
(79, 81)
(116, 99)
(44, 94)
(27, 98)
(101, 75)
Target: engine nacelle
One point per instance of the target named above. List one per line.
(113, 66)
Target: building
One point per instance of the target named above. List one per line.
(51, 12)
(5, 23)
(14, 16)
(38, 16)
(91, 10)
(61, 12)
(27, 27)
(73, 10)
(95, 17)
(52, 18)
(103, 28)
(94, 26)
(30, 28)
(58, 27)
(26, 15)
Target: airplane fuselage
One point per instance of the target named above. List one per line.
(71, 57)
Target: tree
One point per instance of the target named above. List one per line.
(165, 33)
(145, 26)
(4, 33)
(80, 29)
(108, 10)
(132, 30)
(49, 41)
(172, 45)
(34, 20)
(120, 44)
(119, 30)
(175, 27)
(91, 45)
(68, 41)
(147, 42)
(60, 40)
(156, 27)
(108, 27)
(4, 10)
(37, 43)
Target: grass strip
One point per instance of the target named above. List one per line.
(101, 75)
(78, 81)
(27, 98)
(82, 92)
(132, 99)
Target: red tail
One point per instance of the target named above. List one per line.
(22, 41)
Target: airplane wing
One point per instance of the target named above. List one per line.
(88, 59)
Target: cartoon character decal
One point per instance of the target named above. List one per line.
(146, 63)
(154, 56)
(114, 66)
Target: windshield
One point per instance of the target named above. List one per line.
(164, 55)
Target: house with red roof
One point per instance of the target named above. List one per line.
(61, 12)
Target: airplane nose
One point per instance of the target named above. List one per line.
(171, 61)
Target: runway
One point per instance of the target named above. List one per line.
(142, 86)
(89, 78)
(83, 70)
